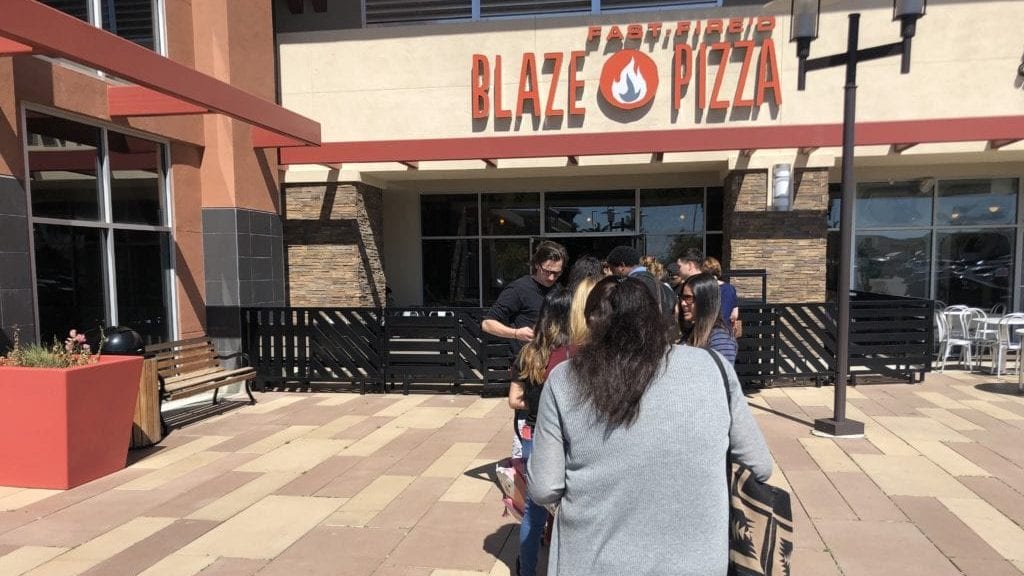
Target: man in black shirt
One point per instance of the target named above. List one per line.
(516, 310)
(625, 261)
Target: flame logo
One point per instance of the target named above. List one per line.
(631, 85)
(629, 79)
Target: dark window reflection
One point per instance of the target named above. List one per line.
(835, 205)
(713, 247)
(672, 211)
(143, 297)
(451, 272)
(77, 8)
(895, 262)
(975, 267)
(63, 157)
(977, 202)
(666, 248)
(130, 19)
(715, 209)
(611, 211)
(135, 182)
(504, 260)
(449, 215)
(511, 214)
(833, 255)
(69, 280)
(900, 204)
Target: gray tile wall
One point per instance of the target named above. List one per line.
(17, 308)
(244, 264)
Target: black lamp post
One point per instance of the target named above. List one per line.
(805, 17)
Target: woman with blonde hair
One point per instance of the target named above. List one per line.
(577, 316)
(654, 267)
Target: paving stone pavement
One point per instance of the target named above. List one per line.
(389, 485)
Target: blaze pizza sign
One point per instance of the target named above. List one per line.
(699, 55)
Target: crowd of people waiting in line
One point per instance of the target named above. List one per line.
(621, 412)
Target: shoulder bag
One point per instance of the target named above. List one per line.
(760, 517)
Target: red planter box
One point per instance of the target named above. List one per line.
(60, 428)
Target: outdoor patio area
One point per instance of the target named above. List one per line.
(343, 484)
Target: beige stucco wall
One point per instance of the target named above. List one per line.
(412, 82)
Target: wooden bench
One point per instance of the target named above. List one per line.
(189, 367)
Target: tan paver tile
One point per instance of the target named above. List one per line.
(947, 458)
(999, 495)
(408, 507)
(817, 562)
(889, 443)
(1019, 564)
(359, 476)
(337, 399)
(361, 508)
(454, 460)
(468, 488)
(425, 417)
(402, 406)
(234, 567)
(335, 426)
(167, 457)
(863, 548)
(179, 565)
(118, 539)
(272, 405)
(828, 455)
(986, 567)
(910, 476)
(298, 456)
(940, 400)
(915, 428)
(265, 529)
(480, 408)
(373, 441)
(311, 481)
(865, 498)
(992, 410)
(996, 529)
(60, 567)
(21, 497)
(947, 532)
(819, 396)
(949, 419)
(203, 494)
(277, 439)
(237, 500)
(26, 558)
(457, 573)
(818, 495)
(460, 549)
(172, 471)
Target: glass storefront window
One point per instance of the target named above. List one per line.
(136, 189)
(666, 248)
(69, 280)
(510, 214)
(130, 19)
(977, 202)
(63, 159)
(575, 212)
(504, 260)
(895, 262)
(975, 267)
(451, 272)
(899, 204)
(142, 264)
(449, 215)
(677, 211)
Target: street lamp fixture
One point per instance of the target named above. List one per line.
(805, 15)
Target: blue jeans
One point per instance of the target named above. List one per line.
(532, 528)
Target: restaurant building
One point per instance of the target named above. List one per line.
(458, 133)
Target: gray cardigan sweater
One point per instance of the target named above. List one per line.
(651, 498)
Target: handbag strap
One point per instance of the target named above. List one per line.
(725, 382)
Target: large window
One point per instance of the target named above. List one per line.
(475, 244)
(391, 12)
(135, 20)
(952, 240)
(101, 231)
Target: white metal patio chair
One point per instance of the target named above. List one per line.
(954, 332)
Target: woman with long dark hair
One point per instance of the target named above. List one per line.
(550, 334)
(701, 316)
(631, 441)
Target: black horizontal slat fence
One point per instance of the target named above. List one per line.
(377, 349)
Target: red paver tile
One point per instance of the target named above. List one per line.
(868, 548)
(999, 495)
(361, 429)
(409, 507)
(980, 567)
(954, 538)
(865, 498)
(319, 476)
(357, 477)
(149, 551)
(1005, 442)
(408, 442)
(991, 425)
(451, 401)
(814, 562)
(857, 446)
(203, 494)
(790, 455)
(472, 429)
(336, 551)
(311, 415)
(370, 405)
(818, 495)
(81, 493)
(243, 439)
(234, 567)
(392, 570)
(416, 462)
(785, 405)
(83, 521)
(459, 549)
(870, 407)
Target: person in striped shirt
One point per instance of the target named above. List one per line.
(701, 316)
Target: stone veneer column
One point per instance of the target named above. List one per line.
(17, 308)
(789, 245)
(333, 234)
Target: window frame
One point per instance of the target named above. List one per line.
(105, 221)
